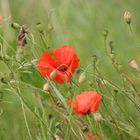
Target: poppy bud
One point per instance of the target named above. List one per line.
(127, 17)
(105, 33)
(46, 87)
(134, 64)
(7, 78)
(53, 74)
(15, 25)
(82, 77)
(22, 36)
(39, 27)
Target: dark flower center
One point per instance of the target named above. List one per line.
(63, 68)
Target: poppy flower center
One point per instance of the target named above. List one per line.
(63, 68)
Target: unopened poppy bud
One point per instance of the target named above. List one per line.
(97, 117)
(104, 82)
(53, 74)
(46, 87)
(7, 78)
(39, 27)
(133, 64)
(15, 25)
(127, 17)
(82, 77)
(105, 33)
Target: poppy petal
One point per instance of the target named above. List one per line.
(1, 18)
(85, 102)
(64, 55)
(46, 64)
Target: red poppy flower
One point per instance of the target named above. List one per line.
(1, 18)
(64, 60)
(85, 102)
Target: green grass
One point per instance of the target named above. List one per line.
(27, 112)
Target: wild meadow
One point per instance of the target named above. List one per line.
(69, 70)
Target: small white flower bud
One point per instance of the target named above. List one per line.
(53, 74)
(127, 17)
(46, 86)
(133, 64)
(82, 77)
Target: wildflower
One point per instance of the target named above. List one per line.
(64, 62)
(22, 36)
(1, 18)
(127, 17)
(85, 102)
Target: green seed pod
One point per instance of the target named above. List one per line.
(39, 26)
(82, 77)
(15, 25)
(53, 74)
(105, 33)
